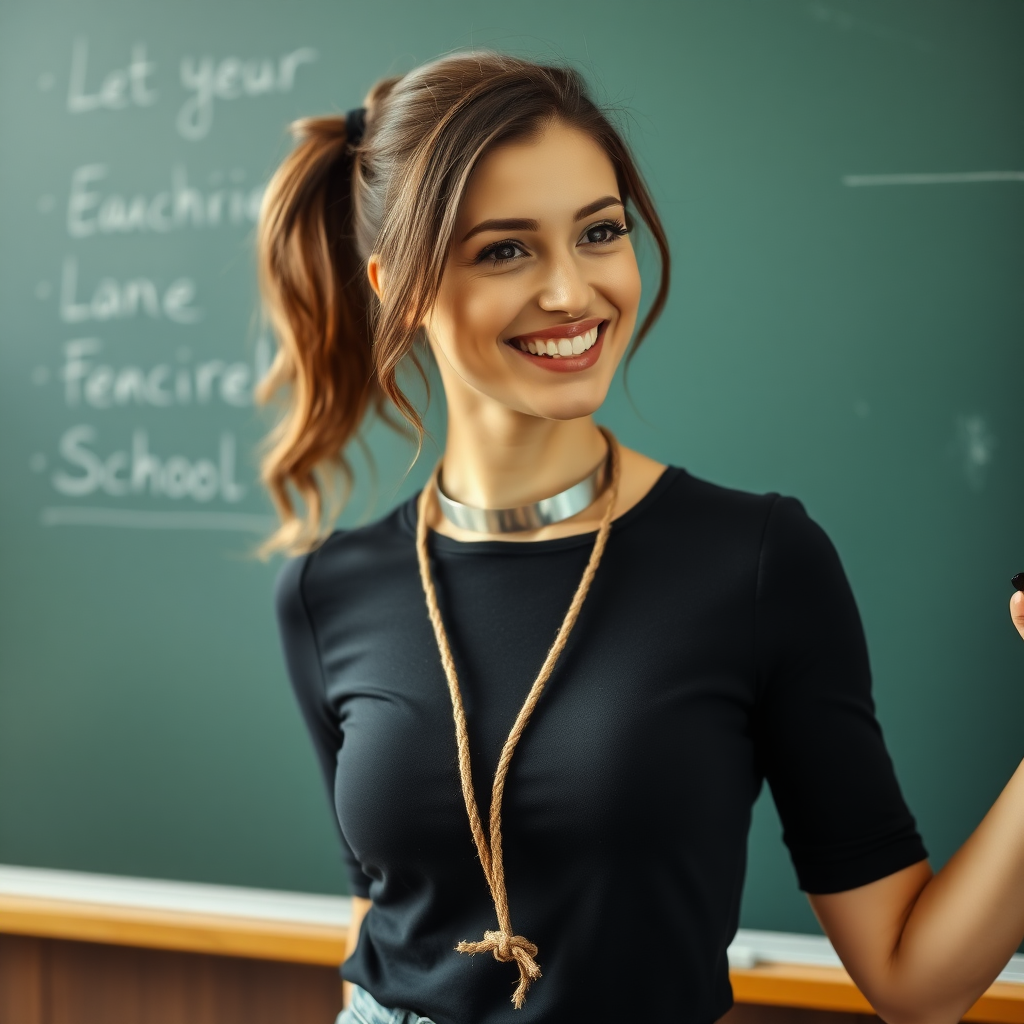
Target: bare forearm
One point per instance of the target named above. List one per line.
(924, 947)
(968, 919)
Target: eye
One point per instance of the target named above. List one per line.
(505, 251)
(500, 252)
(605, 232)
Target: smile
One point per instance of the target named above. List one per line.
(558, 348)
(568, 348)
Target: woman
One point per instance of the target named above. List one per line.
(546, 692)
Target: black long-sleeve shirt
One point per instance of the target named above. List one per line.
(719, 645)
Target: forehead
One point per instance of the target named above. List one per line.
(545, 178)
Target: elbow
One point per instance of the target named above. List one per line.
(916, 1017)
(905, 1011)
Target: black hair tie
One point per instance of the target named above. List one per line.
(355, 125)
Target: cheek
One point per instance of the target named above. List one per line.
(622, 284)
(470, 327)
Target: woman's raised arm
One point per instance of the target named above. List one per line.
(922, 947)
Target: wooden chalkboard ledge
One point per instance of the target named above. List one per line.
(766, 968)
(225, 920)
(830, 988)
(782, 969)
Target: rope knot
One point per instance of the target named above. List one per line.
(507, 948)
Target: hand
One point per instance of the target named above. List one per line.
(1017, 611)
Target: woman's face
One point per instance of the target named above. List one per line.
(540, 292)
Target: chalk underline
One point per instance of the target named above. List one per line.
(952, 178)
(135, 519)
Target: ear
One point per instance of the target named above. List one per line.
(373, 274)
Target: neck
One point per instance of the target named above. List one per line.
(518, 459)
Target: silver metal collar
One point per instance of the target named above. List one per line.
(559, 506)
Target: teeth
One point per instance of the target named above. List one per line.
(574, 346)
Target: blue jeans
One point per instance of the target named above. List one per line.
(364, 1009)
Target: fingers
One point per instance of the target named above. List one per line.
(1017, 611)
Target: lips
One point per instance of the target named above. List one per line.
(565, 341)
(572, 352)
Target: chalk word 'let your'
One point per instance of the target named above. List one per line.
(205, 78)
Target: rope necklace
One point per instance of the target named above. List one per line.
(503, 943)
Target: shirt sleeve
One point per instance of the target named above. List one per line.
(305, 669)
(844, 819)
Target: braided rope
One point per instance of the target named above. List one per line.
(504, 944)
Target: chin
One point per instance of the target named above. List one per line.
(568, 407)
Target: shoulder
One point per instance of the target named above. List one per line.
(348, 561)
(683, 498)
(288, 588)
(794, 540)
(754, 539)
(801, 578)
(775, 516)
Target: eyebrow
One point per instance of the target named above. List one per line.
(524, 224)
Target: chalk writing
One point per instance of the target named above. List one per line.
(121, 87)
(137, 470)
(91, 212)
(230, 79)
(145, 519)
(102, 386)
(121, 300)
(205, 79)
(93, 377)
(940, 178)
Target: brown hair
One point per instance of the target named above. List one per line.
(396, 193)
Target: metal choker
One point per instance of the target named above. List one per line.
(559, 506)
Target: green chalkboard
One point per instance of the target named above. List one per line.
(843, 185)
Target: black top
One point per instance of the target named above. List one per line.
(719, 645)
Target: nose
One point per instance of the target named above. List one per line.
(565, 288)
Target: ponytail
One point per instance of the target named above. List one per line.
(316, 296)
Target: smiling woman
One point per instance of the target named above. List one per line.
(546, 692)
